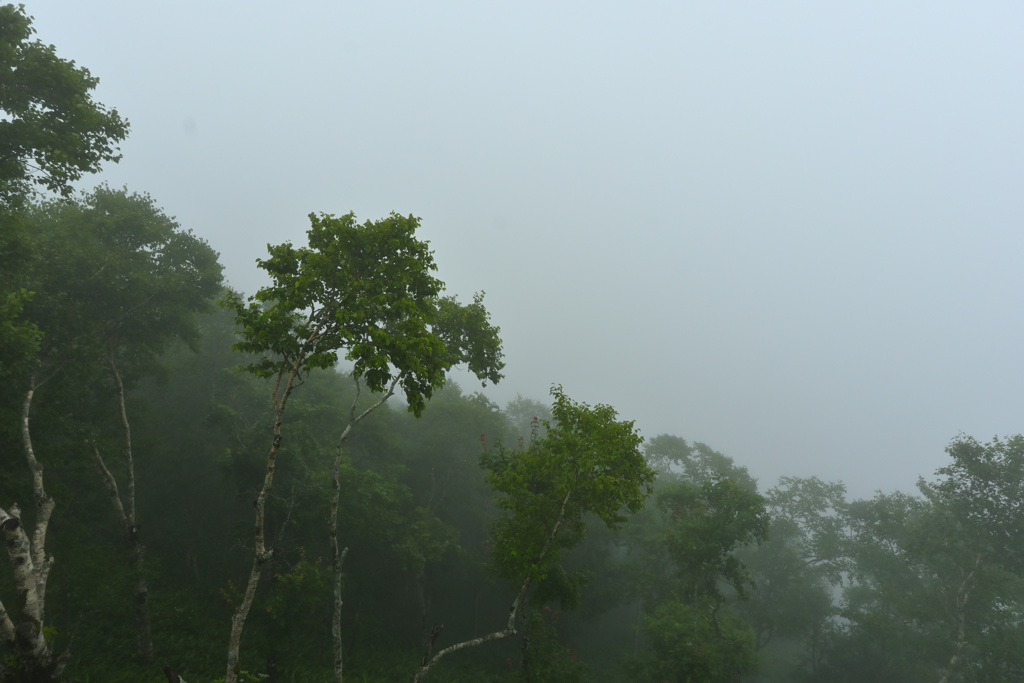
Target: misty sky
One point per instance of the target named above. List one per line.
(791, 230)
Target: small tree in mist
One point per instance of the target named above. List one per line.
(587, 463)
(685, 574)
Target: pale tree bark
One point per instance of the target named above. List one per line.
(338, 558)
(261, 554)
(7, 632)
(137, 551)
(126, 513)
(963, 593)
(428, 662)
(289, 378)
(337, 562)
(23, 631)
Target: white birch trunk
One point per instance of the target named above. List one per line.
(23, 631)
(137, 550)
(261, 554)
(337, 559)
(510, 628)
(7, 632)
(963, 594)
(428, 662)
(126, 513)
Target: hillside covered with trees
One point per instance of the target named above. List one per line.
(202, 484)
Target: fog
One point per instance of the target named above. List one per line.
(789, 230)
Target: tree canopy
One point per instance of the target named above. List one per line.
(52, 131)
(365, 292)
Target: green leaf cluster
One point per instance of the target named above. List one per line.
(707, 523)
(587, 463)
(52, 131)
(689, 644)
(366, 291)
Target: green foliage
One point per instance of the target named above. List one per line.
(705, 524)
(930, 584)
(543, 658)
(811, 515)
(291, 633)
(527, 418)
(796, 570)
(587, 463)
(677, 460)
(934, 583)
(690, 643)
(686, 573)
(368, 290)
(104, 278)
(469, 338)
(19, 339)
(983, 486)
(52, 131)
(379, 513)
(113, 264)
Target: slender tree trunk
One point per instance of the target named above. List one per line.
(261, 554)
(422, 603)
(137, 552)
(31, 568)
(126, 512)
(428, 662)
(510, 628)
(963, 593)
(636, 626)
(338, 558)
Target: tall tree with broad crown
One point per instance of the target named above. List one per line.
(366, 293)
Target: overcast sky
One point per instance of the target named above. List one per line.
(791, 230)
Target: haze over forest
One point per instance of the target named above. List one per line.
(724, 413)
(790, 230)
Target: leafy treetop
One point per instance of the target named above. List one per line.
(366, 290)
(588, 462)
(51, 131)
(112, 270)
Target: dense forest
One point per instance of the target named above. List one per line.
(199, 484)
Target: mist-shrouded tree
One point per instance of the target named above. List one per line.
(935, 579)
(112, 281)
(693, 573)
(588, 463)
(152, 279)
(364, 293)
(984, 486)
(890, 626)
(526, 416)
(979, 523)
(52, 131)
(797, 569)
(676, 460)
(686, 574)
